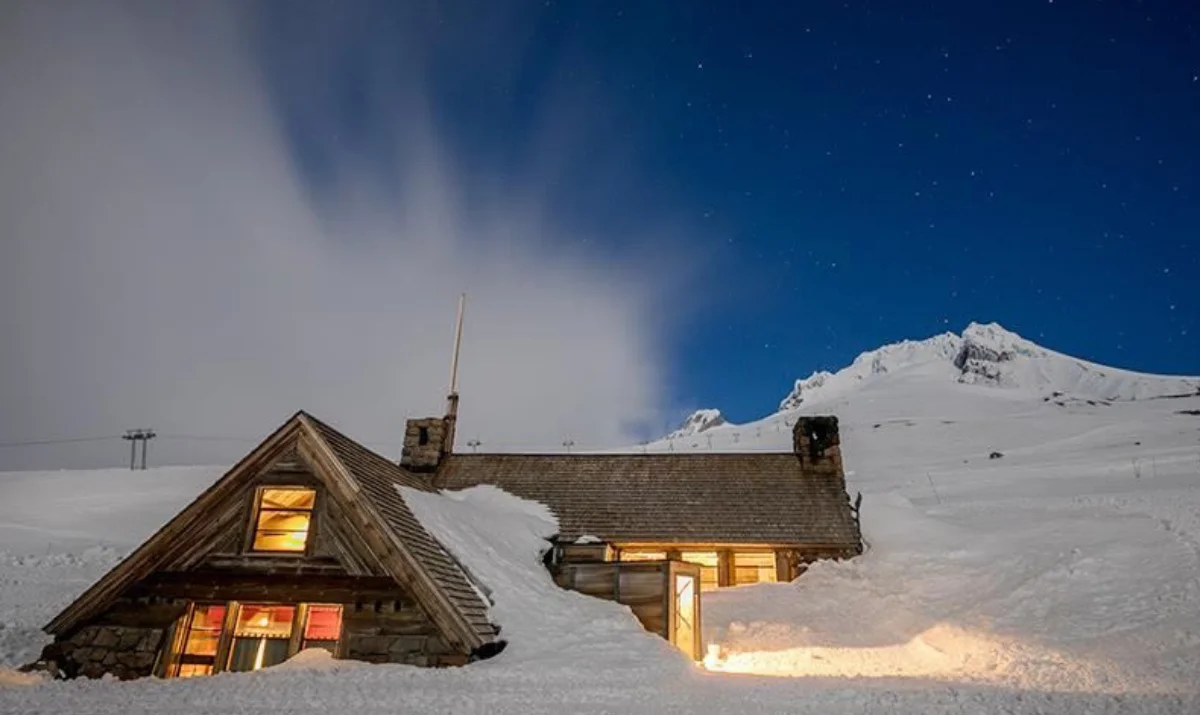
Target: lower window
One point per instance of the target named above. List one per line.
(262, 636)
(628, 555)
(248, 636)
(202, 635)
(322, 627)
(754, 567)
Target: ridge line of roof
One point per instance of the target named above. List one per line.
(472, 455)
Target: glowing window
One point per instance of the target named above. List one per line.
(262, 636)
(707, 561)
(198, 653)
(284, 515)
(627, 555)
(754, 567)
(322, 627)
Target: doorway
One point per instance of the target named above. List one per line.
(685, 631)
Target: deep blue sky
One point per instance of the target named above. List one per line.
(858, 172)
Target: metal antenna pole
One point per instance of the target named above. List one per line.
(462, 303)
(451, 420)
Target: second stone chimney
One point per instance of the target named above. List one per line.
(424, 444)
(816, 442)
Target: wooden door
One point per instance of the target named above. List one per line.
(686, 623)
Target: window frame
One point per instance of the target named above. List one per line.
(256, 519)
(297, 609)
(177, 657)
(726, 562)
(222, 659)
(773, 565)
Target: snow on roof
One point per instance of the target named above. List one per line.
(500, 539)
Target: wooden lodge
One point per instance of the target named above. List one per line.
(307, 543)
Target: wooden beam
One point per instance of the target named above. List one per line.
(266, 588)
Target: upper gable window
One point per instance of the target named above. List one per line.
(283, 518)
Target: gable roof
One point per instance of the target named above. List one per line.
(354, 476)
(756, 498)
(378, 477)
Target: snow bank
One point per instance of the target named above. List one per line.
(14, 678)
(315, 659)
(500, 540)
(1032, 594)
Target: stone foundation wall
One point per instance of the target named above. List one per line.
(126, 652)
(396, 632)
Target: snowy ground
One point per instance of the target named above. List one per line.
(1061, 577)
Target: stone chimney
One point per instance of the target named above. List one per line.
(424, 444)
(816, 442)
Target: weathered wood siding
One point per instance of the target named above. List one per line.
(395, 630)
(586, 553)
(644, 586)
(218, 586)
(223, 541)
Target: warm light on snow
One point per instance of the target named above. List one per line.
(942, 652)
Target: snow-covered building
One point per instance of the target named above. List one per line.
(308, 542)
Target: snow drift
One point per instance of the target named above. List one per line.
(500, 539)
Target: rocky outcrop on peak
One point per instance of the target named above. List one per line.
(697, 422)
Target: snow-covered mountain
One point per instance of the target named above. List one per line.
(983, 355)
(989, 355)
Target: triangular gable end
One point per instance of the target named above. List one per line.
(369, 546)
(154, 551)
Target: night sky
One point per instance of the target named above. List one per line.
(857, 172)
(215, 214)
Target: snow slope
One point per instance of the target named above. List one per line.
(1060, 577)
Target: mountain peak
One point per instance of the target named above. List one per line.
(987, 354)
(697, 422)
(886, 359)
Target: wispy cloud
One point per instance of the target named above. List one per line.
(166, 262)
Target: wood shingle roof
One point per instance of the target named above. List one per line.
(750, 498)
